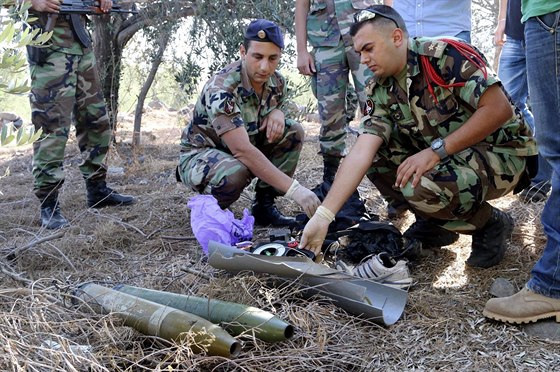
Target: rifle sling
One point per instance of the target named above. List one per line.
(79, 30)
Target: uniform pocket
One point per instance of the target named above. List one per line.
(443, 110)
(404, 120)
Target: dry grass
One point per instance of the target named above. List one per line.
(41, 329)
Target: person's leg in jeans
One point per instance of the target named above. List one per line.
(543, 68)
(541, 297)
(512, 71)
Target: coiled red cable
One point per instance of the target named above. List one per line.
(466, 51)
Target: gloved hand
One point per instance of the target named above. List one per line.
(306, 199)
(316, 230)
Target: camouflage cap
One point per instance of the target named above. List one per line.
(265, 30)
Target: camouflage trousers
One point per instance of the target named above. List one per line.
(330, 85)
(64, 89)
(455, 193)
(216, 172)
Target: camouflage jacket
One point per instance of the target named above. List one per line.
(63, 38)
(328, 20)
(227, 102)
(415, 113)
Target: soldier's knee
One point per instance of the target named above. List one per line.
(230, 188)
(426, 199)
(298, 131)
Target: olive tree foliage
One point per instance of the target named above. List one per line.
(113, 32)
(222, 24)
(14, 36)
(157, 39)
(216, 25)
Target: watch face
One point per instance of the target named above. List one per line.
(437, 144)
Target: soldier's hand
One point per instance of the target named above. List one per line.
(105, 5)
(305, 63)
(314, 234)
(274, 124)
(49, 6)
(414, 167)
(304, 197)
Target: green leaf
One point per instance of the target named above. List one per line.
(8, 33)
(21, 136)
(4, 134)
(7, 134)
(36, 134)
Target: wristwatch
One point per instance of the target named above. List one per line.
(438, 146)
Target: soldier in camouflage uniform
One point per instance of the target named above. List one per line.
(325, 24)
(239, 132)
(65, 88)
(439, 133)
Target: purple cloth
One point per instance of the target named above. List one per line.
(210, 222)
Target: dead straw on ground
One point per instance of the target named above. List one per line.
(43, 327)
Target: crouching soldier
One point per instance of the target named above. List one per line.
(239, 131)
(438, 133)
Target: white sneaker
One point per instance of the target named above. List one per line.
(382, 269)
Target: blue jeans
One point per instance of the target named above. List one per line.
(465, 35)
(512, 71)
(542, 38)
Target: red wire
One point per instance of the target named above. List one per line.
(466, 51)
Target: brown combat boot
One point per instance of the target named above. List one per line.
(523, 307)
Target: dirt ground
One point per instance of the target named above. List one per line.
(150, 244)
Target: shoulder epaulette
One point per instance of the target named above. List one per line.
(430, 47)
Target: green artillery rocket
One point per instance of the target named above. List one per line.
(233, 317)
(151, 318)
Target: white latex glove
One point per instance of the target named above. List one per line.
(306, 199)
(316, 230)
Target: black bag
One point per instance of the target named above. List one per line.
(371, 238)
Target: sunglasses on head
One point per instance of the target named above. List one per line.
(367, 14)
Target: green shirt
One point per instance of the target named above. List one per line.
(412, 111)
(535, 8)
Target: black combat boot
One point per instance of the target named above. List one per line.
(100, 195)
(266, 213)
(489, 242)
(430, 234)
(330, 167)
(51, 218)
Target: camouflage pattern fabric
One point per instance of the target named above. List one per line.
(456, 190)
(62, 39)
(351, 103)
(65, 89)
(329, 21)
(328, 26)
(228, 102)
